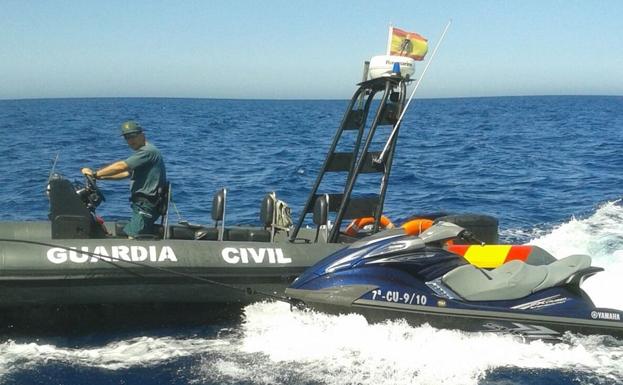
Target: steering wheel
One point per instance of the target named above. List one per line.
(92, 195)
(91, 183)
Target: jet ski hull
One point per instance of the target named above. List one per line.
(531, 326)
(390, 277)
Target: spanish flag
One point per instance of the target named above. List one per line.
(410, 44)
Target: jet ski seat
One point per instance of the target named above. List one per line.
(513, 280)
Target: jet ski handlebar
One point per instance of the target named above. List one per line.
(437, 234)
(469, 237)
(444, 231)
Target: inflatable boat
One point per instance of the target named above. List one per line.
(75, 257)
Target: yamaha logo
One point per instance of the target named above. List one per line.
(605, 315)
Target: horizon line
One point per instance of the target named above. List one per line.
(293, 99)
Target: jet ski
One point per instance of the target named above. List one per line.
(420, 279)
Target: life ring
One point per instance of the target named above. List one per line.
(417, 226)
(359, 223)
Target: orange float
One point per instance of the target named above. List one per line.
(417, 226)
(359, 223)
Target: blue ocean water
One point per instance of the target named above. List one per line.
(548, 167)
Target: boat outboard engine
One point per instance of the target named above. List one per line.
(72, 209)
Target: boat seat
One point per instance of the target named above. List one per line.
(181, 232)
(218, 212)
(219, 232)
(165, 199)
(274, 215)
(512, 280)
(236, 235)
(70, 218)
(240, 235)
(321, 216)
(119, 225)
(162, 230)
(248, 235)
(208, 234)
(259, 235)
(267, 216)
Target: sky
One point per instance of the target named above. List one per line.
(311, 49)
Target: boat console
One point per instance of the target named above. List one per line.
(72, 209)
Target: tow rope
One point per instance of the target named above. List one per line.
(108, 259)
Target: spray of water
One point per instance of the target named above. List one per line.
(315, 348)
(601, 237)
(141, 351)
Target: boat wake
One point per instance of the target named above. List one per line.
(601, 237)
(307, 347)
(275, 345)
(140, 351)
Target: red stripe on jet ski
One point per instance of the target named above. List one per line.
(458, 249)
(519, 252)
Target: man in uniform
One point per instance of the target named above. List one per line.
(146, 169)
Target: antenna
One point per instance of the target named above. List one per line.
(383, 154)
(53, 166)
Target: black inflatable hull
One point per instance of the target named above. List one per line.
(36, 269)
(42, 271)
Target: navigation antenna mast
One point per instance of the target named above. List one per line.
(358, 158)
(389, 77)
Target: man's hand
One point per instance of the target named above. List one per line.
(88, 172)
(117, 170)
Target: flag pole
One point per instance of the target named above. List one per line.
(383, 154)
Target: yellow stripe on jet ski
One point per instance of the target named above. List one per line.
(487, 256)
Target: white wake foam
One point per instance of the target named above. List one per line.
(300, 347)
(601, 237)
(277, 346)
(142, 351)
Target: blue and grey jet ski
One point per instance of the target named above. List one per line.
(395, 276)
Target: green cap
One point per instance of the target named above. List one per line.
(130, 127)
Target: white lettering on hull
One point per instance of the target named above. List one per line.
(605, 315)
(246, 255)
(58, 255)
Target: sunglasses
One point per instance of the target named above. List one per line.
(131, 136)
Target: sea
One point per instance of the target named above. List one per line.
(548, 167)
